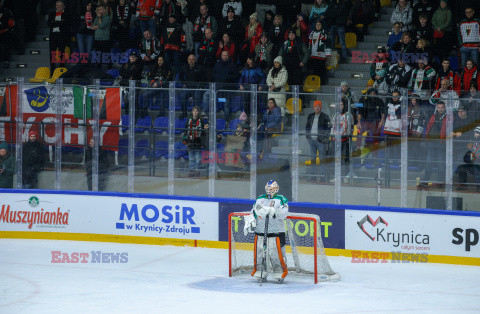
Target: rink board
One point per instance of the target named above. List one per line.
(432, 236)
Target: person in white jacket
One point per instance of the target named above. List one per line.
(277, 83)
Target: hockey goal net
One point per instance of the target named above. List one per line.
(304, 247)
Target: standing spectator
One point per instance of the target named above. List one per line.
(203, 22)
(442, 27)
(149, 50)
(251, 74)
(252, 36)
(86, 35)
(393, 125)
(371, 117)
(132, 70)
(423, 7)
(469, 76)
(318, 12)
(158, 82)
(146, 11)
(403, 13)
(6, 28)
(173, 40)
(469, 37)
(271, 124)
(362, 12)
(32, 161)
(346, 125)
(7, 167)
(121, 24)
(435, 148)
(194, 10)
(416, 125)
(168, 8)
(189, 78)
(187, 27)
(424, 29)
(395, 36)
(295, 56)
(446, 72)
(103, 166)
(318, 134)
(300, 28)
(462, 133)
(422, 80)
(192, 138)
(233, 26)
(268, 22)
(337, 14)
(378, 71)
(207, 53)
(318, 51)
(236, 5)
(444, 94)
(263, 53)
(471, 102)
(59, 32)
(277, 81)
(398, 75)
(101, 26)
(226, 44)
(405, 46)
(262, 7)
(424, 51)
(277, 34)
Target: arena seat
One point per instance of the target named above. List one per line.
(143, 124)
(41, 75)
(350, 41)
(290, 108)
(312, 84)
(160, 125)
(142, 148)
(180, 125)
(160, 149)
(56, 74)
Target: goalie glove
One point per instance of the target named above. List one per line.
(264, 211)
(250, 224)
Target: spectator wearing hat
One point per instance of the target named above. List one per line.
(378, 71)
(318, 134)
(469, 37)
(33, 161)
(442, 27)
(173, 40)
(423, 7)
(203, 22)
(300, 28)
(270, 124)
(6, 28)
(59, 32)
(7, 167)
(232, 25)
(474, 145)
(122, 15)
(277, 83)
(318, 50)
(295, 56)
(226, 44)
(252, 36)
(337, 14)
(398, 75)
(263, 6)
(132, 70)
(236, 5)
(263, 53)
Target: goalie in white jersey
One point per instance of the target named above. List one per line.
(275, 206)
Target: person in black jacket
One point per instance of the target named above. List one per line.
(120, 29)
(158, 81)
(102, 166)
(132, 70)
(7, 24)
(337, 14)
(192, 138)
(189, 77)
(277, 34)
(173, 41)
(232, 26)
(398, 75)
(371, 117)
(33, 161)
(84, 34)
(295, 56)
(318, 135)
(59, 34)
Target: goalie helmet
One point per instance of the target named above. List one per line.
(271, 188)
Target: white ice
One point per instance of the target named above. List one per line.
(165, 279)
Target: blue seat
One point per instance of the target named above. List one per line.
(180, 150)
(160, 149)
(125, 122)
(161, 125)
(142, 148)
(454, 64)
(220, 147)
(180, 125)
(154, 105)
(220, 103)
(236, 104)
(232, 126)
(143, 124)
(122, 147)
(113, 72)
(221, 125)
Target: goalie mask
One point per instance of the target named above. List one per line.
(271, 188)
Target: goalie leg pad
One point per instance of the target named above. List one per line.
(276, 253)
(255, 255)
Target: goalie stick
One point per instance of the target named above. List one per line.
(265, 247)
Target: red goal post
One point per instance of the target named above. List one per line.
(304, 247)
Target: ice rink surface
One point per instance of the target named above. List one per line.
(165, 279)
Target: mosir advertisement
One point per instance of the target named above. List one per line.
(431, 234)
(147, 217)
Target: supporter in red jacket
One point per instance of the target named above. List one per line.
(469, 74)
(146, 11)
(448, 73)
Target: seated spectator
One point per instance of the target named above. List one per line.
(318, 12)
(405, 46)
(33, 161)
(295, 56)
(132, 70)
(318, 136)
(263, 53)
(468, 172)
(442, 27)
(192, 138)
(121, 24)
(149, 50)
(6, 28)
(300, 28)
(423, 7)
(271, 123)
(471, 102)
(398, 75)
(474, 145)
(277, 82)
(145, 12)
(252, 37)
(337, 14)
(362, 12)
(158, 81)
(462, 132)
(268, 22)
(469, 74)
(469, 37)
(444, 94)
(423, 49)
(226, 44)
(232, 25)
(262, 7)
(422, 80)
(424, 29)
(191, 77)
(207, 52)
(446, 72)
(236, 5)
(395, 36)
(173, 39)
(403, 14)
(59, 32)
(101, 26)
(7, 167)
(378, 71)
(203, 22)
(103, 166)
(277, 34)
(318, 51)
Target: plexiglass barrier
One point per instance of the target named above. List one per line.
(227, 140)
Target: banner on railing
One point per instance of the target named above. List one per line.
(39, 107)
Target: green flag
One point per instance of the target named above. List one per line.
(81, 99)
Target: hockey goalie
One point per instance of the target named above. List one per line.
(267, 221)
